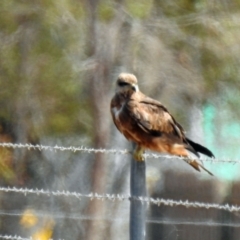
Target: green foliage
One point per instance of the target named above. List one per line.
(139, 9)
(35, 68)
(106, 11)
(44, 53)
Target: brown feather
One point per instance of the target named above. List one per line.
(148, 123)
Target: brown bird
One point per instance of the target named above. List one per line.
(148, 123)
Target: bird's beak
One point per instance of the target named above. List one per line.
(135, 87)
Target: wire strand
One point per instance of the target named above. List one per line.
(82, 217)
(119, 197)
(105, 151)
(15, 237)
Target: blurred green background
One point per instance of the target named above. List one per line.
(58, 64)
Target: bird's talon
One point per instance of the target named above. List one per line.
(138, 154)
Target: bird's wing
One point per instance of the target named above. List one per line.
(152, 117)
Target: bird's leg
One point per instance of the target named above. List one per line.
(138, 153)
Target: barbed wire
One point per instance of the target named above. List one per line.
(15, 237)
(62, 148)
(119, 197)
(83, 149)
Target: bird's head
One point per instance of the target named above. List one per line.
(127, 83)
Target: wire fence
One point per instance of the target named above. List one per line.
(106, 197)
(119, 197)
(15, 237)
(114, 197)
(106, 151)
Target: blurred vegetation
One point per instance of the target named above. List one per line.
(44, 59)
(59, 61)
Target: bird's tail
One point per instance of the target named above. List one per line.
(195, 164)
(199, 148)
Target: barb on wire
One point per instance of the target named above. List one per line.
(106, 151)
(118, 197)
(40, 147)
(15, 237)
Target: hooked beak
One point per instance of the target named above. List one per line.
(135, 87)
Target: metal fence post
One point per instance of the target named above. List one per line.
(137, 208)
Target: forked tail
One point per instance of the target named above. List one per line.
(199, 148)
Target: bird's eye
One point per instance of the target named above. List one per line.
(122, 84)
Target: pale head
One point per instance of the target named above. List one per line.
(127, 83)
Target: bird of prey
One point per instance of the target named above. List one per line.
(149, 124)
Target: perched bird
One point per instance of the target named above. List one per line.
(148, 123)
